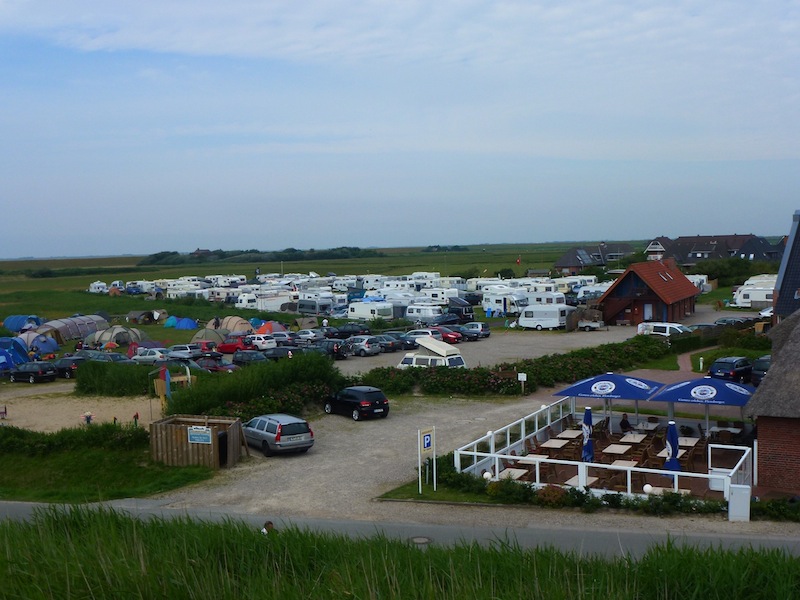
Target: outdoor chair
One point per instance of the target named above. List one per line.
(701, 431)
(724, 437)
(530, 445)
(723, 424)
(652, 419)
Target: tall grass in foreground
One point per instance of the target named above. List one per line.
(83, 553)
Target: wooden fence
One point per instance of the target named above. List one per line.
(182, 440)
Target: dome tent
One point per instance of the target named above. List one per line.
(215, 335)
(19, 322)
(171, 321)
(233, 323)
(44, 344)
(72, 328)
(186, 323)
(117, 334)
(15, 348)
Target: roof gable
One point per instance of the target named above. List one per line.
(662, 277)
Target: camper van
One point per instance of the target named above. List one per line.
(462, 309)
(433, 353)
(424, 313)
(98, 287)
(370, 310)
(544, 316)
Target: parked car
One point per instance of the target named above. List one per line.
(67, 367)
(407, 343)
(388, 343)
(207, 345)
(329, 332)
(448, 335)
(245, 358)
(261, 341)
(730, 321)
(733, 368)
(336, 349)
(364, 345)
(279, 433)
(482, 329)
(148, 356)
(310, 336)
(444, 319)
(468, 335)
(415, 333)
(233, 343)
(350, 329)
(702, 327)
(183, 363)
(281, 352)
(33, 372)
(101, 356)
(760, 367)
(214, 362)
(766, 313)
(285, 338)
(192, 350)
(359, 402)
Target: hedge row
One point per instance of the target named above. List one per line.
(105, 436)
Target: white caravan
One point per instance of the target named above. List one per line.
(544, 316)
(437, 295)
(370, 310)
(503, 303)
(98, 287)
(546, 298)
(424, 313)
(753, 297)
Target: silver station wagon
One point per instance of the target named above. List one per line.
(279, 433)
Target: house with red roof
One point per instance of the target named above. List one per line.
(655, 290)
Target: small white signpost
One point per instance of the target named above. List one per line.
(426, 445)
(522, 378)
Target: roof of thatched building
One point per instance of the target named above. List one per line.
(779, 392)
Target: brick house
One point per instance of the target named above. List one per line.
(649, 291)
(775, 407)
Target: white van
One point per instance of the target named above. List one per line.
(433, 354)
(662, 329)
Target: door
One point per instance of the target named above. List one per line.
(648, 312)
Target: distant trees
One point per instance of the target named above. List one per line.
(257, 256)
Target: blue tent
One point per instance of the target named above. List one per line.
(171, 321)
(256, 322)
(186, 323)
(17, 323)
(15, 348)
(6, 362)
(43, 343)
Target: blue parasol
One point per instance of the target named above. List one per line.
(707, 391)
(672, 463)
(588, 446)
(613, 386)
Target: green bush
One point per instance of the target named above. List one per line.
(287, 385)
(111, 379)
(105, 436)
(688, 343)
(734, 338)
(783, 509)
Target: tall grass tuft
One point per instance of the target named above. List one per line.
(86, 553)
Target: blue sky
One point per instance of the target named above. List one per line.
(135, 127)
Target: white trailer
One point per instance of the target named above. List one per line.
(753, 297)
(370, 310)
(438, 295)
(546, 316)
(265, 301)
(546, 298)
(98, 287)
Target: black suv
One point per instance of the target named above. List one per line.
(359, 401)
(732, 368)
(350, 329)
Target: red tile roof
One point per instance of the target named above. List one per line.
(664, 278)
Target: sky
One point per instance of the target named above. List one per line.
(133, 127)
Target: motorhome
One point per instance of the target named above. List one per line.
(544, 316)
(753, 297)
(461, 308)
(476, 284)
(433, 353)
(588, 292)
(370, 310)
(423, 313)
(503, 303)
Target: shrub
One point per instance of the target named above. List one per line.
(106, 436)
(110, 379)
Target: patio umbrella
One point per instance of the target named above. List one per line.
(672, 448)
(588, 446)
(707, 391)
(110, 345)
(613, 386)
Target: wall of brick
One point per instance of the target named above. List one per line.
(779, 453)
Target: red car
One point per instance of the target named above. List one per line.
(448, 335)
(232, 344)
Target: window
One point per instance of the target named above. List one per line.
(272, 427)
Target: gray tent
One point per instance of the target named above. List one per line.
(117, 334)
